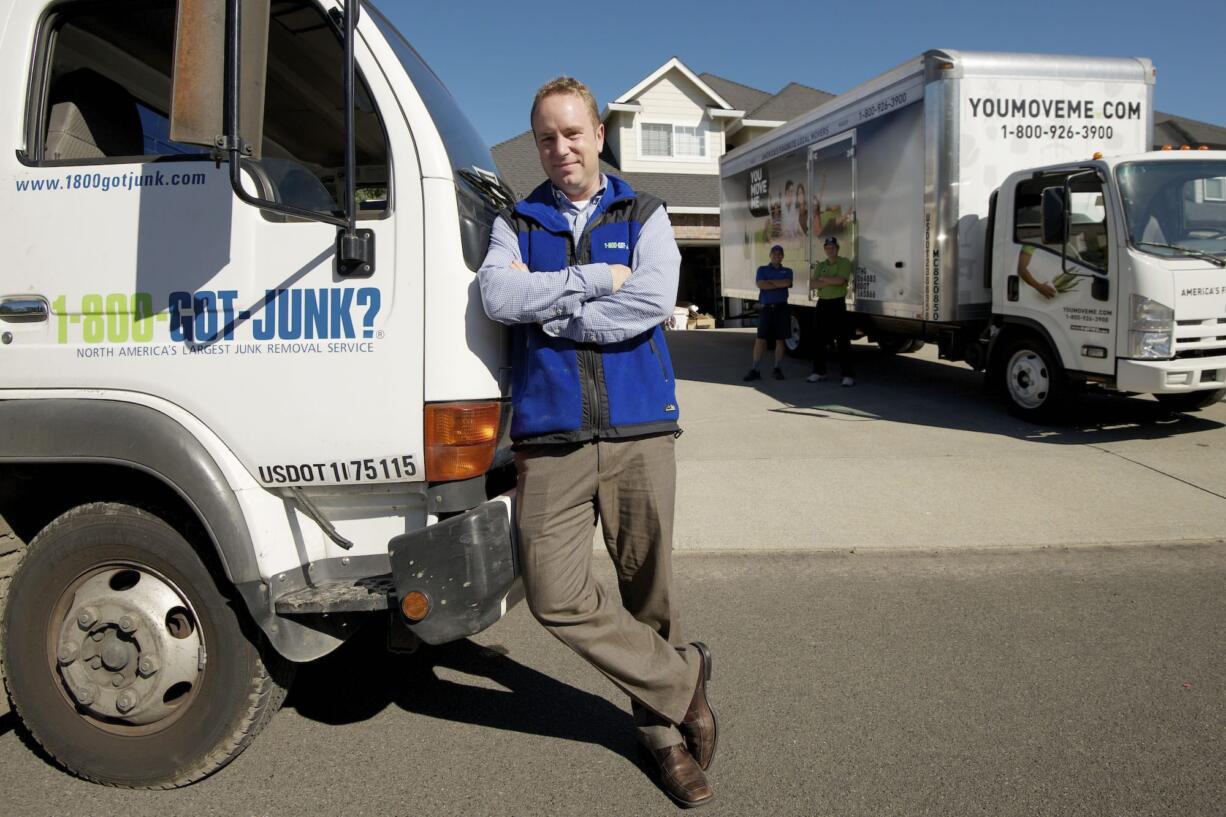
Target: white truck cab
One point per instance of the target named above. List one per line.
(249, 398)
(1135, 248)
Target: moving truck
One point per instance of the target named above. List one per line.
(249, 399)
(939, 178)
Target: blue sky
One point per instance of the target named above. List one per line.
(494, 55)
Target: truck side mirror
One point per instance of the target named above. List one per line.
(217, 100)
(202, 100)
(1054, 216)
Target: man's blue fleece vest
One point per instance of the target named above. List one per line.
(563, 391)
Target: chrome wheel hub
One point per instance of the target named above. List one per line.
(1028, 379)
(130, 649)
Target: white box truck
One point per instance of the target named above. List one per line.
(952, 179)
(249, 399)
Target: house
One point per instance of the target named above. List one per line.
(665, 136)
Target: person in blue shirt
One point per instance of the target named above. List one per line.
(774, 323)
(585, 271)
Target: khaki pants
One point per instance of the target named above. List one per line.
(631, 485)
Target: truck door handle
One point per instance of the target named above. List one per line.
(23, 310)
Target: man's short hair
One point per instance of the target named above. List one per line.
(565, 85)
(831, 242)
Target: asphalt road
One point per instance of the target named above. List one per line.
(919, 605)
(1037, 682)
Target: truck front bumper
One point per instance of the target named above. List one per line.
(1171, 376)
(466, 568)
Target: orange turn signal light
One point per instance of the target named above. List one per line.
(1167, 147)
(415, 606)
(461, 439)
(1186, 147)
(1098, 154)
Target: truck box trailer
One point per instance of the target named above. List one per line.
(939, 179)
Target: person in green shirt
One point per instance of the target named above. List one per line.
(830, 278)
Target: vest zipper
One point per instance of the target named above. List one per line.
(591, 388)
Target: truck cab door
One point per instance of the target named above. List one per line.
(160, 282)
(1065, 288)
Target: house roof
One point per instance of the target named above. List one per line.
(1176, 131)
(789, 103)
(521, 168)
(741, 97)
(675, 64)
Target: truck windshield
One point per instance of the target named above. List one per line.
(1176, 207)
(480, 192)
(464, 146)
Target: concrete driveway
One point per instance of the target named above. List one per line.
(917, 456)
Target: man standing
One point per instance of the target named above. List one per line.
(774, 322)
(585, 269)
(830, 278)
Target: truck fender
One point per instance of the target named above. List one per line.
(112, 432)
(1009, 329)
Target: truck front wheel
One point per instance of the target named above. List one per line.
(123, 658)
(1192, 400)
(1031, 380)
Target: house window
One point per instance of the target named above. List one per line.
(689, 141)
(673, 140)
(657, 140)
(1215, 189)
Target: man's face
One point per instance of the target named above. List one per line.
(569, 144)
(776, 258)
(832, 251)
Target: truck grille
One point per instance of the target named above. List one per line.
(1200, 338)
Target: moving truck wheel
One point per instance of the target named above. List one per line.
(1191, 401)
(800, 342)
(1031, 379)
(124, 660)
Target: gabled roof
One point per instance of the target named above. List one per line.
(519, 166)
(1177, 131)
(741, 97)
(789, 103)
(674, 64)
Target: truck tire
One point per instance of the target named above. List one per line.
(800, 343)
(1031, 380)
(1191, 401)
(125, 661)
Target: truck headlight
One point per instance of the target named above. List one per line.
(1149, 345)
(1151, 329)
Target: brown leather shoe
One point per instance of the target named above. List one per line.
(680, 777)
(699, 727)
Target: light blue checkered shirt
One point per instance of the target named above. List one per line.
(578, 302)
